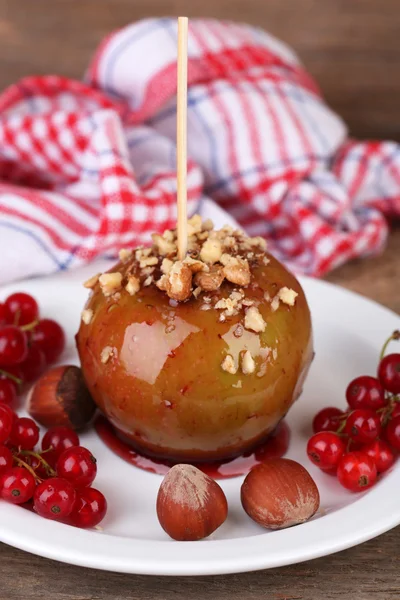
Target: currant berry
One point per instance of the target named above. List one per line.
(13, 346)
(325, 449)
(59, 439)
(13, 373)
(6, 459)
(89, 509)
(17, 485)
(3, 319)
(392, 433)
(363, 426)
(78, 466)
(24, 434)
(396, 410)
(6, 422)
(327, 419)
(21, 309)
(381, 454)
(54, 499)
(49, 337)
(356, 471)
(365, 392)
(8, 395)
(389, 373)
(34, 364)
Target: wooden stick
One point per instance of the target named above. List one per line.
(181, 137)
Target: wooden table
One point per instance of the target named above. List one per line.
(353, 48)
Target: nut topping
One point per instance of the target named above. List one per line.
(210, 281)
(228, 365)
(110, 283)
(254, 321)
(248, 364)
(179, 281)
(133, 285)
(91, 282)
(87, 315)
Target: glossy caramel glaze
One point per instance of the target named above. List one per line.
(163, 386)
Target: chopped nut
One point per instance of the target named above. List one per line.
(228, 305)
(148, 281)
(208, 225)
(247, 302)
(91, 282)
(166, 265)
(253, 320)
(116, 296)
(162, 283)
(236, 296)
(229, 242)
(248, 364)
(275, 303)
(238, 331)
(110, 283)
(142, 253)
(197, 292)
(195, 265)
(164, 246)
(274, 353)
(266, 260)
(87, 315)
(147, 271)
(267, 297)
(228, 365)
(179, 281)
(287, 296)
(222, 318)
(225, 258)
(238, 384)
(133, 285)
(205, 307)
(211, 251)
(106, 354)
(207, 299)
(237, 271)
(258, 241)
(168, 235)
(148, 261)
(195, 225)
(125, 254)
(210, 281)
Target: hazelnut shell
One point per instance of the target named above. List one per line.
(60, 398)
(279, 493)
(190, 505)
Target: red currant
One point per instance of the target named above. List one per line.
(3, 319)
(325, 449)
(13, 346)
(78, 466)
(365, 392)
(356, 471)
(396, 410)
(10, 373)
(381, 454)
(392, 433)
(21, 309)
(89, 509)
(8, 395)
(59, 439)
(49, 338)
(6, 459)
(24, 434)
(54, 498)
(389, 373)
(6, 422)
(363, 426)
(327, 419)
(17, 485)
(34, 364)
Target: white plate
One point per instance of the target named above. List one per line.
(349, 331)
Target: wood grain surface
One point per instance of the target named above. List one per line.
(352, 47)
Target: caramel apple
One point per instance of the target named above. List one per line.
(197, 359)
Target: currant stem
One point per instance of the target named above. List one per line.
(395, 336)
(22, 463)
(17, 380)
(29, 326)
(40, 458)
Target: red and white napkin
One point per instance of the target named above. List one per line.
(88, 168)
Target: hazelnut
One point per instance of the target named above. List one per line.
(279, 493)
(60, 397)
(190, 505)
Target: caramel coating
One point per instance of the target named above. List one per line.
(162, 385)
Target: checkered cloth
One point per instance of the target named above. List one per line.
(88, 168)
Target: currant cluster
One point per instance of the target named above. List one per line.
(362, 442)
(56, 480)
(28, 344)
